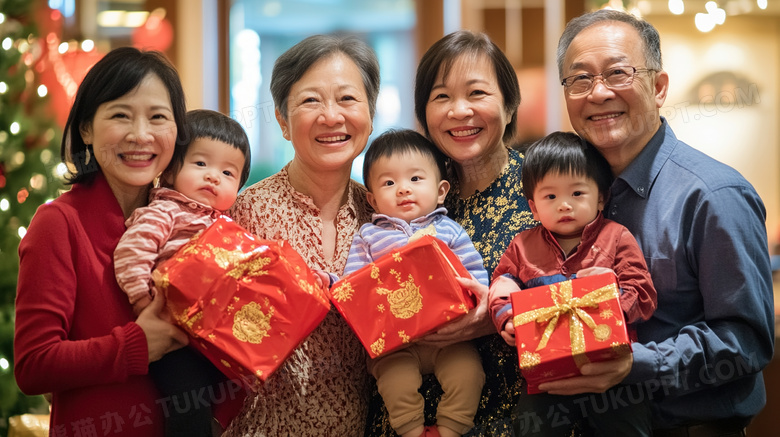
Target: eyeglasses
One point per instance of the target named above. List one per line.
(613, 78)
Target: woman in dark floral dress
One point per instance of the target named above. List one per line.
(466, 99)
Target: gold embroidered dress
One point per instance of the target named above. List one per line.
(321, 390)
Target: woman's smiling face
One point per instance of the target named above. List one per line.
(465, 112)
(133, 137)
(328, 120)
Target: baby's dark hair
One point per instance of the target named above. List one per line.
(564, 153)
(204, 123)
(396, 141)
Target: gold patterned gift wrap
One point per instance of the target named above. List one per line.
(403, 295)
(559, 327)
(245, 302)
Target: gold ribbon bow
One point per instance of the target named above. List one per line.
(566, 305)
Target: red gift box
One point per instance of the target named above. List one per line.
(403, 295)
(562, 326)
(247, 303)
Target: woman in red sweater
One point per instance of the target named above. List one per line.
(76, 335)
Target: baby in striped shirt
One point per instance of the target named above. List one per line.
(404, 174)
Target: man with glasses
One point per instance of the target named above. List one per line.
(701, 227)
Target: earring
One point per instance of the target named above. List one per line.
(284, 133)
(88, 154)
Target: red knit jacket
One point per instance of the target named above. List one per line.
(75, 336)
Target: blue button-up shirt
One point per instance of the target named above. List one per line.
(701, 227)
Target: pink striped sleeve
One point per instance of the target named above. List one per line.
(149, 228)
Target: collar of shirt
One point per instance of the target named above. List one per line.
(163, 193)
(419, 222)
(651, 157)
(590, 234)
(306, 202)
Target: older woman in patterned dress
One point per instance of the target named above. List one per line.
(466, 98)
(324, 90)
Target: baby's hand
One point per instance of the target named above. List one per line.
(508, 333)
(593, 271)
(323, 279)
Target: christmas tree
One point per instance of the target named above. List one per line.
(30, 172)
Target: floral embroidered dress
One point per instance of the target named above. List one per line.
(322, 388)
(491, 218)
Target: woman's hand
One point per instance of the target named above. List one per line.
(161, 336)
(142, 303)
(473, 325)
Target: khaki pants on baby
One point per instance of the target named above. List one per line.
(459, 371)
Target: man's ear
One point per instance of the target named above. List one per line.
(661, 88)
(444, 188)
(282, 124)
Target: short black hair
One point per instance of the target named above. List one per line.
(397, 141)
(116, 74)
(564, 153)
(213, 125)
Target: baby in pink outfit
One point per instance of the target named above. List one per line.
(201, 182)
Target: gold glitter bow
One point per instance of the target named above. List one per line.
(565, 305)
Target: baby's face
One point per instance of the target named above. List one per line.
(406, 186)
(211, 173)
(565, 203)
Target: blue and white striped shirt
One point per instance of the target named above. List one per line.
(386, 233)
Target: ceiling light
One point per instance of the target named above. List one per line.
(676, 7)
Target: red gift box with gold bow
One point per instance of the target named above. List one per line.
(561, 326)
(403, 295)
(247, 303)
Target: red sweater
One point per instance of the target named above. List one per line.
(75, 332)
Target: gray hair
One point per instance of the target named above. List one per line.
(650, 38)
(295, 62)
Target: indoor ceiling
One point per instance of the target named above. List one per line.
(324, 16)
(692, 7)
